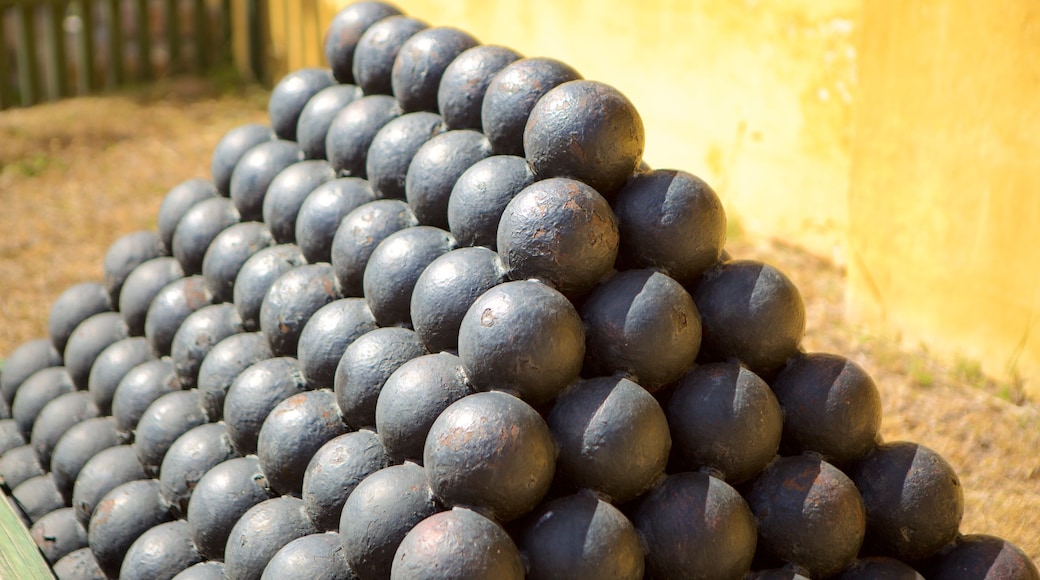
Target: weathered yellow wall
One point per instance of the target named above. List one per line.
(944, 204)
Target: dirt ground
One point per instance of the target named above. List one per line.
(79, 174)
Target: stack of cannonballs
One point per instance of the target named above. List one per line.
(439, 321)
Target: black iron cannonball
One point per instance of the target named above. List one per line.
(169, 309)
(228, 252)
(261, 532)
(582, 537)
(122, 516)
(345, 31)
(125, 254)
(161, 552)
(379, 513)
(446, 289)
(255, 277)
(291, 301)
(102, 473)
(458, 543)
(983, 556)
(420, 65)
(480, 196)
(256, 170)
(670, 220)
(225, 361)
(327, 334)
(37, 497)
(58, 534)
(223, 494)
(56, 418)
(585, 130)
(394, 267)
(642, 323)
(21, 364)
(323, 211)
(809, 514)
(913, 497)
(189, 458)
(878, 568)
(460, 95)
(197, 335)
(162, 423)
(39, 389)
(522, 337)
(316, 117)
(18, 465)
(138, 389)
(76, 304)
(694, 525)
(491, 451)
(752, 312)
(88, 341)
(290, 96)
(560, 231)
(411, 400)
(254, 393)
(724, 417)
(512, 94)
(377, 49)
(358, 235)
(292, 433)
(228, 152)
(209, 570)
(312, 556)
(78, 564)
(436, 167)
(198, 228)
(286, 193)
(335, 471)
(141, 287)
(831, 407)
(182, 198)
(612, 437)
(366, 365)
(112, 365)
(393, 147)
(10, 436)
(77, 446)
(352, 130)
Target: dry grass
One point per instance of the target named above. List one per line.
(77, 175)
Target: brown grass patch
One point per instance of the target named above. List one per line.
(79, 174)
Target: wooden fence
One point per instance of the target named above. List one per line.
(57, 48)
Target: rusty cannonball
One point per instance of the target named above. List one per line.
(694, 525)
(809, 514)
(831, 407)
(460, 95)
(560, 231)
(345, 31)
(752, 312)
(522, 337)
(512, 94)
(913, 498)
(724, 417)
(491, 451)
(480, 196)
(459, 543)
(585, 130)
(879, 568)
(377, 49)
(420, 65)
(671, 220)
(612, 436)
(984, 557)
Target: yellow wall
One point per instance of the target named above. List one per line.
(931, 205)
(944, 228)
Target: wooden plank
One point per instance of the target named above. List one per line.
(86, 36)
(144, 41)
(202, 34)
(56, 39)
(7, 96)
(116, 47)
(19, 557)
(173, 34)
(28, 63)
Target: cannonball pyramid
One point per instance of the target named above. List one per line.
(438, 320)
